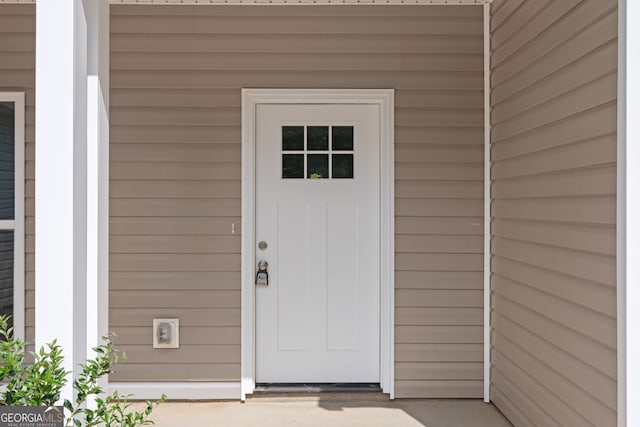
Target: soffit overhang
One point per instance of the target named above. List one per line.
(287, 2)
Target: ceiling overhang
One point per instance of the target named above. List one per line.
(288, 2)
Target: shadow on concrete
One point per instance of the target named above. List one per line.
(329, 410)
(427, 412)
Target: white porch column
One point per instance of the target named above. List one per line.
(61, 180)
(97, 12)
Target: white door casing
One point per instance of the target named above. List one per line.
(318, 320)
(381, 101)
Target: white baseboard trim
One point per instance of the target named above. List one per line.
(178, 390)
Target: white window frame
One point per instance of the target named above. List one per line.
(17, 224)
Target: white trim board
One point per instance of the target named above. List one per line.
(307, 2)
(177, 390)
(385, 99)
(621, 231)
(628, 209)
(487, 204)
(289, 2)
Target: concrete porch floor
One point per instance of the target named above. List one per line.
(335, 410)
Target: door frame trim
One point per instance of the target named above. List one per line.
(251, 98)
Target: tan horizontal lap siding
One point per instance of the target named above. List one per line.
(175, 173)
(17, 74)
(554, 85)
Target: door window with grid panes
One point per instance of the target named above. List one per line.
(317, 152)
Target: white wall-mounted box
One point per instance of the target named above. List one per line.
(166, 333)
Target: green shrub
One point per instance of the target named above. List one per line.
(40, 383)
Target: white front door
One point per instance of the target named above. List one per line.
(318, 227)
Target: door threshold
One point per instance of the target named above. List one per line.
(318, 388)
